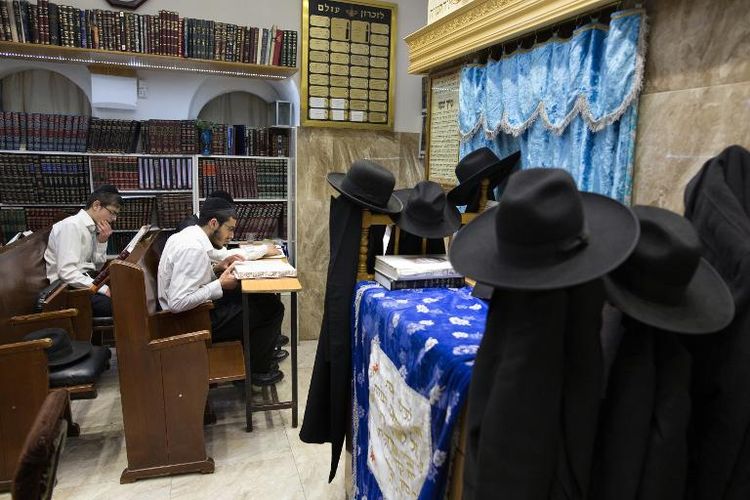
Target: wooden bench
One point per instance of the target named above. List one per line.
(24, 277)
(23, 387)
(166, 364)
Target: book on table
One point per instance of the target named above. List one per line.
(397, 267)
(407, 284)
(263, 269)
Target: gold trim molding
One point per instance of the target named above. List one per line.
(484, 23)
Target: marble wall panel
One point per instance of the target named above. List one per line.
(679, 131)
(697, 43)
(320, 151)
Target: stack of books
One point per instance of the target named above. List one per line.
(399, 272)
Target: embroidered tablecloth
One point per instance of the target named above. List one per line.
(412, 356)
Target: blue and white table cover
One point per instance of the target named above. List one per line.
(412, 354)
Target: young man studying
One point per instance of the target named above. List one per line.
(187, 278)
(77, 246)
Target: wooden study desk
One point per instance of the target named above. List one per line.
(276, 285)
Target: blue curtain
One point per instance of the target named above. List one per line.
(564, 103)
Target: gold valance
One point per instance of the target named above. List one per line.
(484, 23)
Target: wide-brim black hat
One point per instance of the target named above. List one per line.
(707, 306)
(483, 163)
(367, 184)
(447, 222)
(63, 351)
(702, 304)
(610, 232)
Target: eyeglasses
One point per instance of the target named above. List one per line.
(115, 214)
(231, 228)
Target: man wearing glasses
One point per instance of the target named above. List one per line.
(77, 245)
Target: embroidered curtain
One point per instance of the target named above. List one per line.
(564, 103)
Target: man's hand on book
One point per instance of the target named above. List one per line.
(271, 250)
(104, 231)
(222, 266)
(227, 279)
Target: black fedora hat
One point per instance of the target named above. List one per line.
(474, 167)
(545, 234)
(367, 184)
(63, 351)
(666, 283)
(426, 212)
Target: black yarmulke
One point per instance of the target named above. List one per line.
(221, 194)
(216, 204)
(106, 188)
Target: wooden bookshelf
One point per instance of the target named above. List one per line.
(75, 55)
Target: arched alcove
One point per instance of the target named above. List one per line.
(239, 108)
(42, 91)
(269, 91)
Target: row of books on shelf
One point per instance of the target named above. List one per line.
(169, 136)
(113, 136)
(255, 221)
(74, 133)
(243, 178)
(136, 212)
(43, 131)
(165, 33)
(16, 220)
(245, 141)
(258, 221)
(131, 173)
(401, 272)
(43, 179)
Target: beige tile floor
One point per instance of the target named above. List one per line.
(269, 463)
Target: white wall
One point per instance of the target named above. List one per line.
(181, 95)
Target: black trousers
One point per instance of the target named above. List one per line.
(101, 306)
(266, 314)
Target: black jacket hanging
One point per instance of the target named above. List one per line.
(534, 395)
(717, 202)
(582, 389)
(642, 436)
(328, 401)
(514, 398)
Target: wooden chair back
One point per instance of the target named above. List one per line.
(23, 276)
(370, 219)
(467, 217)
(37, 466)
(164, 381)
(23, 387)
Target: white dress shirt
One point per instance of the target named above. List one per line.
(72, 250)
(186, 278)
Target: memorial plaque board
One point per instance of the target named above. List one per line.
(348, 63)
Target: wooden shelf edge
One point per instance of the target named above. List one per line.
(75, 55)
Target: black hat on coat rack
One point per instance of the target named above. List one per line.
(369, 185)
(477, 165)
(666, 283)
(544, 235)
(427, 212)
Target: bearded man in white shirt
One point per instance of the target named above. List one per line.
(187, 278)
(251, 252)
(77, 246)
